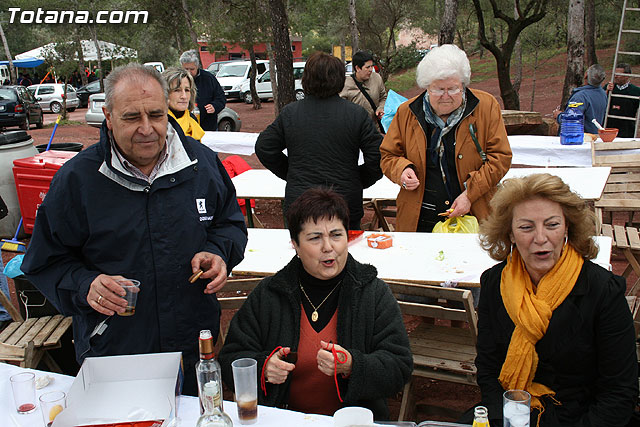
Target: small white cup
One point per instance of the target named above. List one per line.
(352, 416)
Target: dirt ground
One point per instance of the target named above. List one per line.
(438, 400)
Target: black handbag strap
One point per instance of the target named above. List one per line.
(483, 155)
(368, 97)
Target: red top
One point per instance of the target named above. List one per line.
(311, 391)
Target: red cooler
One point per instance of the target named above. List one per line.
(33, 176)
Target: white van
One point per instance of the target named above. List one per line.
(231, 76)
(157, 65)
(5, 77)
(264, 89)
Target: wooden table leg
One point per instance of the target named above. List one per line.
(247, 207)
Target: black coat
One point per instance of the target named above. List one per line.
(209, 92)
(369, 326)
(323, 138)
(587, 356)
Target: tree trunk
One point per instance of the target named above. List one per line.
(590, 32)
(353, 26)
(460, 40)
(252, 79)
(518, 59)
(534, 77)
(12, 69)
(94, 34)
(192, 32)
(448, 23)
(284, 57)
(343, 49)
(575, 49)
(80, 52)
(274, 77)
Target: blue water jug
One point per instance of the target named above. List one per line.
(572, 126)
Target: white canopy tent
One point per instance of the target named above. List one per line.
(108, 51)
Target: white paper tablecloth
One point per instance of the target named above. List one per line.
(587, 182)
(242, 143)
(411, 258)
(188, 407)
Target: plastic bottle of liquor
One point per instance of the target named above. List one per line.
(480, 417)
(210, 385)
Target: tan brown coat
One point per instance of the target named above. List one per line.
(405, 145)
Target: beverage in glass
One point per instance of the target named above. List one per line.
(516, 408)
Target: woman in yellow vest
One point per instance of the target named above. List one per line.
(182, 98)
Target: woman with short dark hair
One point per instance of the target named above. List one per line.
(323, 135)
(340, 321)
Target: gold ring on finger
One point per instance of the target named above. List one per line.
(99, 301)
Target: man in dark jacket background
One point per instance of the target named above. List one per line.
(210, 97)
(145, 203)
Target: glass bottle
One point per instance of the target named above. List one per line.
(480, 417)
(209, 378)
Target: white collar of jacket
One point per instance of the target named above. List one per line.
(177, 160)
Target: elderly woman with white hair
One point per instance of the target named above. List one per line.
(447, 147)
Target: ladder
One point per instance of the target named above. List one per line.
(621, 33)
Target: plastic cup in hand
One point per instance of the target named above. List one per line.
(23, 386)
(516, 408)
(132, 287)
(52, 404)
(246, 388)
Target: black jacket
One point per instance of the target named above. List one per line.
(96, 220)
(209, 92)
(370, 327)
(587, 356)
(323, 138)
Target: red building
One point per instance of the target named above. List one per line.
(234, 51)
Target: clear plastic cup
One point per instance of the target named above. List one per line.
(52, 404)
(132, 287)
(246, 387)
(516, 408)
(23, 386)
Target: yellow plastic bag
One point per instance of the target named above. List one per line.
(458, 224)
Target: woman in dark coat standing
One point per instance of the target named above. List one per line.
(550, 321)
(323, 135)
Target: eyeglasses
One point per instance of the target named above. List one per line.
(450, 91)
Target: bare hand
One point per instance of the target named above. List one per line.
(609, 86)
(461, 205)
(409, 179)
(210, 108)
(214, 268)
(556, 112)
(379, 114)
(327, 363)
(105, 295)
(277, 370)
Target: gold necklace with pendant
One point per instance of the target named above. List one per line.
(314, 315)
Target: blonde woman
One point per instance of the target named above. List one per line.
(182, 98)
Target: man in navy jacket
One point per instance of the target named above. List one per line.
(144, 203)
(210, 97)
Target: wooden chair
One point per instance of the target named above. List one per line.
(627, 240)
(233, 295)
(383, 209)
(35, 336)
(440, 351)
(622, 191)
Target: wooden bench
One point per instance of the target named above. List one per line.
(440, 351)
(232, 296)
(627, 240)
(35, 335)
(622, 191)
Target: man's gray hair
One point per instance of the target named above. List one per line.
(595, 75)
(135, 72)
(441, 63)
(174, 76)
(190, 57)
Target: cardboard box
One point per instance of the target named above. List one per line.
(115, 389)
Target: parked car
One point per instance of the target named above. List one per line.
(214, 67)
(85, 91)
(51, 95)
(228, 120)
(231, 76)
(18, 107)
(263, 85)
(159, 66)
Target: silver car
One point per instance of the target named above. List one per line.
(228, 120)
(50, 96)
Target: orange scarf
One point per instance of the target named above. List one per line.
(531, 312)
